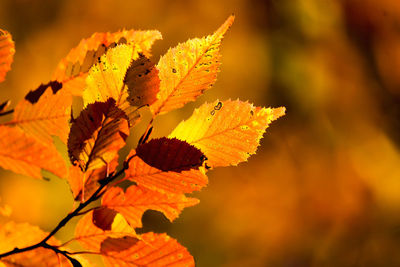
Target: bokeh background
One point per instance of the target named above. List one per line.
(324, 187)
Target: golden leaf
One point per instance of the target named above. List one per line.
(26, 155)
(136, 200)
(189, 69)
(114, 74)
(97, 134)
(44, 112)
(226, 132)
(73, 69)
(152, 250)
(7, 51)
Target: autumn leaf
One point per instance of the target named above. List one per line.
(21, 235)
(115, 76)
(73, 69)
(167, 166)
(189, 69)
(142, 81)
(96, 226)
(7, 51)
(151, 250)
(97, 134)
(44, 112)
(136, 200)
(84, 184)
(226, 132)
(25, 155)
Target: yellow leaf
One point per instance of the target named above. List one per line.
(97, 134)
(7, 51)
(26, 155)
(152, 250)
(189, 69)
(44, 112)
(136, 200)
(107, 79)
(226, 132)
(72, 70)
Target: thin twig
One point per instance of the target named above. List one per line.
(96, 195)
(6, 112)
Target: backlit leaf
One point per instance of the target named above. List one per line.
(151, 250)
(21, 235)
(26, 155)
(136, 200)
(7, 51)
(95, 226)
(44, 112)
(109, 76)
(97, 134)
(168, 166)
(142, 81)
(83, 184)
(226, 132)
(73, 69)
(189, 69)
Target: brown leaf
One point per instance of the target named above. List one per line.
(7, 51)
(170, 154)
(97, 134)
(136, 200)
(151, 250)
(26, 155)
(142, 81)
(72, 70)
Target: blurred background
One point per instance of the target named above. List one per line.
(324, 187)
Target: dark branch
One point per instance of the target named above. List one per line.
(95, 196)
(6, 112)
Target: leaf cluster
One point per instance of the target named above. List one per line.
(115, 77)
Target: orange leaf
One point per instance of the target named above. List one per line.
(94, 227)
(136, 200)
(21, 235)
(168, 166)
(44, 112)
(73, 69)
(83, 184)
(164, 181)
(151, 250)
(7, 51)
(189, 69)
(227, 132)
(25, 155)
(97, 134)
